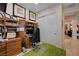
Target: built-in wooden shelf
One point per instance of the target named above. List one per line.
(10, 46)
(30, 23)
(10, 25)
(1, 25)
(11, 20)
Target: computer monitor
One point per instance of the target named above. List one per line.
(29, 31)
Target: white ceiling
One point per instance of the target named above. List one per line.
(37, 7)
(70, 8)
(42, 6)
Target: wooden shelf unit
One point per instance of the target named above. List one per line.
(13, 45)
(30, 24)
(10, 23)
(27, 42)
(7, 22)
(10, 47)
(1, 21)
(2, 49)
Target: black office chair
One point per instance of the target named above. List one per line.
(36, 40)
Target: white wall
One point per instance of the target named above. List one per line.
(46, 32)
(9, 10)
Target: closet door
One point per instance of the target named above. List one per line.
(48, 28)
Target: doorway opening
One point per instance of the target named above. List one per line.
(71, 36)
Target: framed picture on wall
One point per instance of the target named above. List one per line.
(32, 16)
(19, 11)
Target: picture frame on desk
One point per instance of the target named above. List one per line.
(32, 16)
(19, 11)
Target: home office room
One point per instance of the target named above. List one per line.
(24, 31)
(36, 29)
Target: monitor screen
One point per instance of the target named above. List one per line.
(29, 31)
(3, 7)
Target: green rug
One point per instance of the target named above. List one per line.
(46, 50)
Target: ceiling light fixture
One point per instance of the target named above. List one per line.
(36, 3)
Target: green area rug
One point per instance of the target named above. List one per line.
(46, 50)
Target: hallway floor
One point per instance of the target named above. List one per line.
(71, 46)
